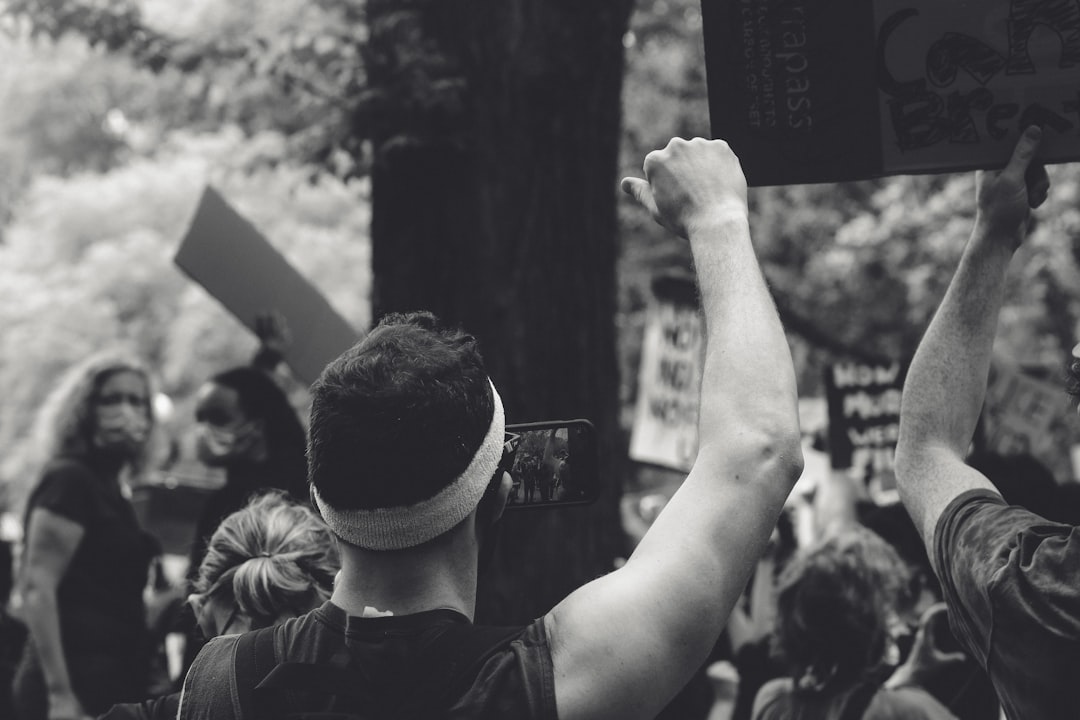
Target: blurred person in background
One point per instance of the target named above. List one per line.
(272, 560)
(247, 427)
(1009, 575)
(837, 608)
(12, 631)
(85, 558)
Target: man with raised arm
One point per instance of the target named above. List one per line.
(411, 523)
(1011, 578)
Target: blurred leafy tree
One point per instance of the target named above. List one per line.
(491, 132)
(857, 269)
(87, 263)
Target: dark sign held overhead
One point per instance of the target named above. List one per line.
(831, 90)
(225, 254)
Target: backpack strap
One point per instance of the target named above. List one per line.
(254, 659)
(451, 663)
(462, 650)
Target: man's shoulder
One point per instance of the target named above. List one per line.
(208, 687)
(981, 538)
(1009, 578)
(211, 689)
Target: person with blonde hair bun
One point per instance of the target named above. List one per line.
(272, 560)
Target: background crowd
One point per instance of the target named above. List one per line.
(843, 608)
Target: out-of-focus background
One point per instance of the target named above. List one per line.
(459, 157)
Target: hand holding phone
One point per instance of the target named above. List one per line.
(551, 463)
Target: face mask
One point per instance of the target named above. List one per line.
(121, 426)
(218, 445)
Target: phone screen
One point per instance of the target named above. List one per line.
(551, 463)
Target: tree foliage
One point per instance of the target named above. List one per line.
(87, 264)
(856, 268)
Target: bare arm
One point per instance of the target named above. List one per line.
(623, 645)
(835, 503)
(946, 384)
(51, 543)
(274, 340)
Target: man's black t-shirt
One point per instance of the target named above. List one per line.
(516, 682)
(1011, 580)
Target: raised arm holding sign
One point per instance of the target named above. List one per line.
(225, 254)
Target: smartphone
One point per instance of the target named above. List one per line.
(551, 463)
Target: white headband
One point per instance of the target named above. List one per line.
(407, 526)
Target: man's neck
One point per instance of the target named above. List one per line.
(405, 582)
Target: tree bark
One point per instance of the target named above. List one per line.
(494, 206)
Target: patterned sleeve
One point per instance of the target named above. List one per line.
(208, 692)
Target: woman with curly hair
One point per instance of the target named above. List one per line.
(273, 560)
(85, 558)
(836, 607)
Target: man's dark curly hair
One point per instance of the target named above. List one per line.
(834, 606)
(399, 416)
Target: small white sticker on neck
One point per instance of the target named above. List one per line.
(370, 612)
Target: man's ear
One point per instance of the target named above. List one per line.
(488, 513)
(502, 494)
(493, 503)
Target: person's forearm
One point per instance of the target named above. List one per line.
(834, 503)
(946, 383)
(43, 621)
(748, 380)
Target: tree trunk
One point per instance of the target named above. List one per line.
(493, 205)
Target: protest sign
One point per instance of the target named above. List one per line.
(669, 380)
(1019, 411)
(831, 90)
(864, 414)
(225, 254)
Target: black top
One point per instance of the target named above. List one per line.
(1010, 580)
(392, 653)
(100, 597)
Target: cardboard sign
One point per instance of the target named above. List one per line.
(225, 254)
(665, 428)
(864, 415)
(831, 90)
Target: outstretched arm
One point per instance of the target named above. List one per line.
(52, 541)
(946, 384)
(624, 644)
(274, 340)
